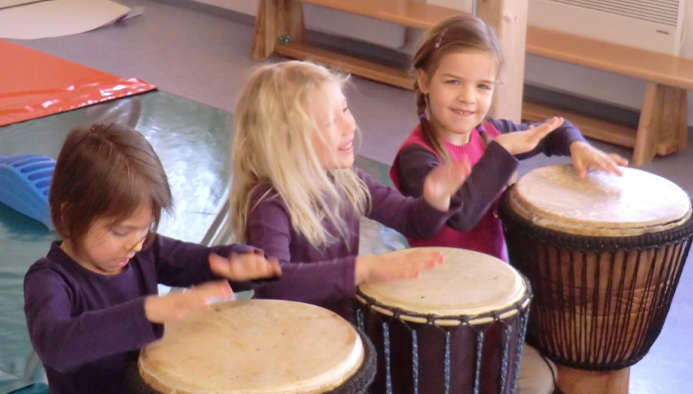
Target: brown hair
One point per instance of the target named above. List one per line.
(456, 34)
(105, 172)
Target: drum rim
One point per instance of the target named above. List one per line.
(502, 313)
(524, 208)
(340, 379)
(591, 243)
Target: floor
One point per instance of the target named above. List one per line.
(204, 57)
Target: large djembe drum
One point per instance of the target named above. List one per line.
(459, 328)
(258, 347)
(604, 255)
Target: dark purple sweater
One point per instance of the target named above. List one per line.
(325, 276)
(84, 326)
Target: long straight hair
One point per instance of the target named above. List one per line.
(275, 125)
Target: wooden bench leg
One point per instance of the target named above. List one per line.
(276, 18)
(663, 127)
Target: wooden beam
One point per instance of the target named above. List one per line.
(355, 66)
(402, 12)
(509, 18)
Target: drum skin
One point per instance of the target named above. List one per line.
(255, 346)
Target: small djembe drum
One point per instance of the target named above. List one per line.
(459, 328)
(604, 255)
(259, 347)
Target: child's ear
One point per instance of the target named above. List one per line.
(422, 81)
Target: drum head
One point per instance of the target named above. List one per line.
(468, 283)
(599, 204)
(256, 346)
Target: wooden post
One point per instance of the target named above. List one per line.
(663, 127)
(276, 18)
(509, 18)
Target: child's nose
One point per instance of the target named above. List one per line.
(465, 94)
(136, 243)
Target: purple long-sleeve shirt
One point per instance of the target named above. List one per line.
(489, 176)
(84, 326)
(325, 276)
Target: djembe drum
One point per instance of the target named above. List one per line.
(259, 347)
(459, 328)
(604, 255)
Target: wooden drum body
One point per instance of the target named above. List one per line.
(258, 347)
(459, 328)
(604, 255)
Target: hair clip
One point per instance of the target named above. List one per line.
(440, 39)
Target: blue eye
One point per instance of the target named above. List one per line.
(452, 82)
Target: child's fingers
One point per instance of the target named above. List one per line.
(214, 290)
(276, 268)
(545, 129)
(618, 159)
(579, 167)
(613, 166)
(220, 266)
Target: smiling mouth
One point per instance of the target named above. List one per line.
(462, 112)
(347, 146)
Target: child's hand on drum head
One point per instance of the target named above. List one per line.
(244, 267)
(174, 306)
(585, 156)
(390, 266)
(525, 141)
(444, 181)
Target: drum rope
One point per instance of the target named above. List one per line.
(388, 371)
(524, 318)
(504, 363)
(447, 362)
(415, 359)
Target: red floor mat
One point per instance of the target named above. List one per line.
(34, 84)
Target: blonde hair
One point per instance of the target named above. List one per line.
(274, 129)
(455, 34)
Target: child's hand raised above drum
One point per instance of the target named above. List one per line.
(244, 267)
(174, 306)
(444, 181)
(521, 142)
(391, 266)
(585, 156)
